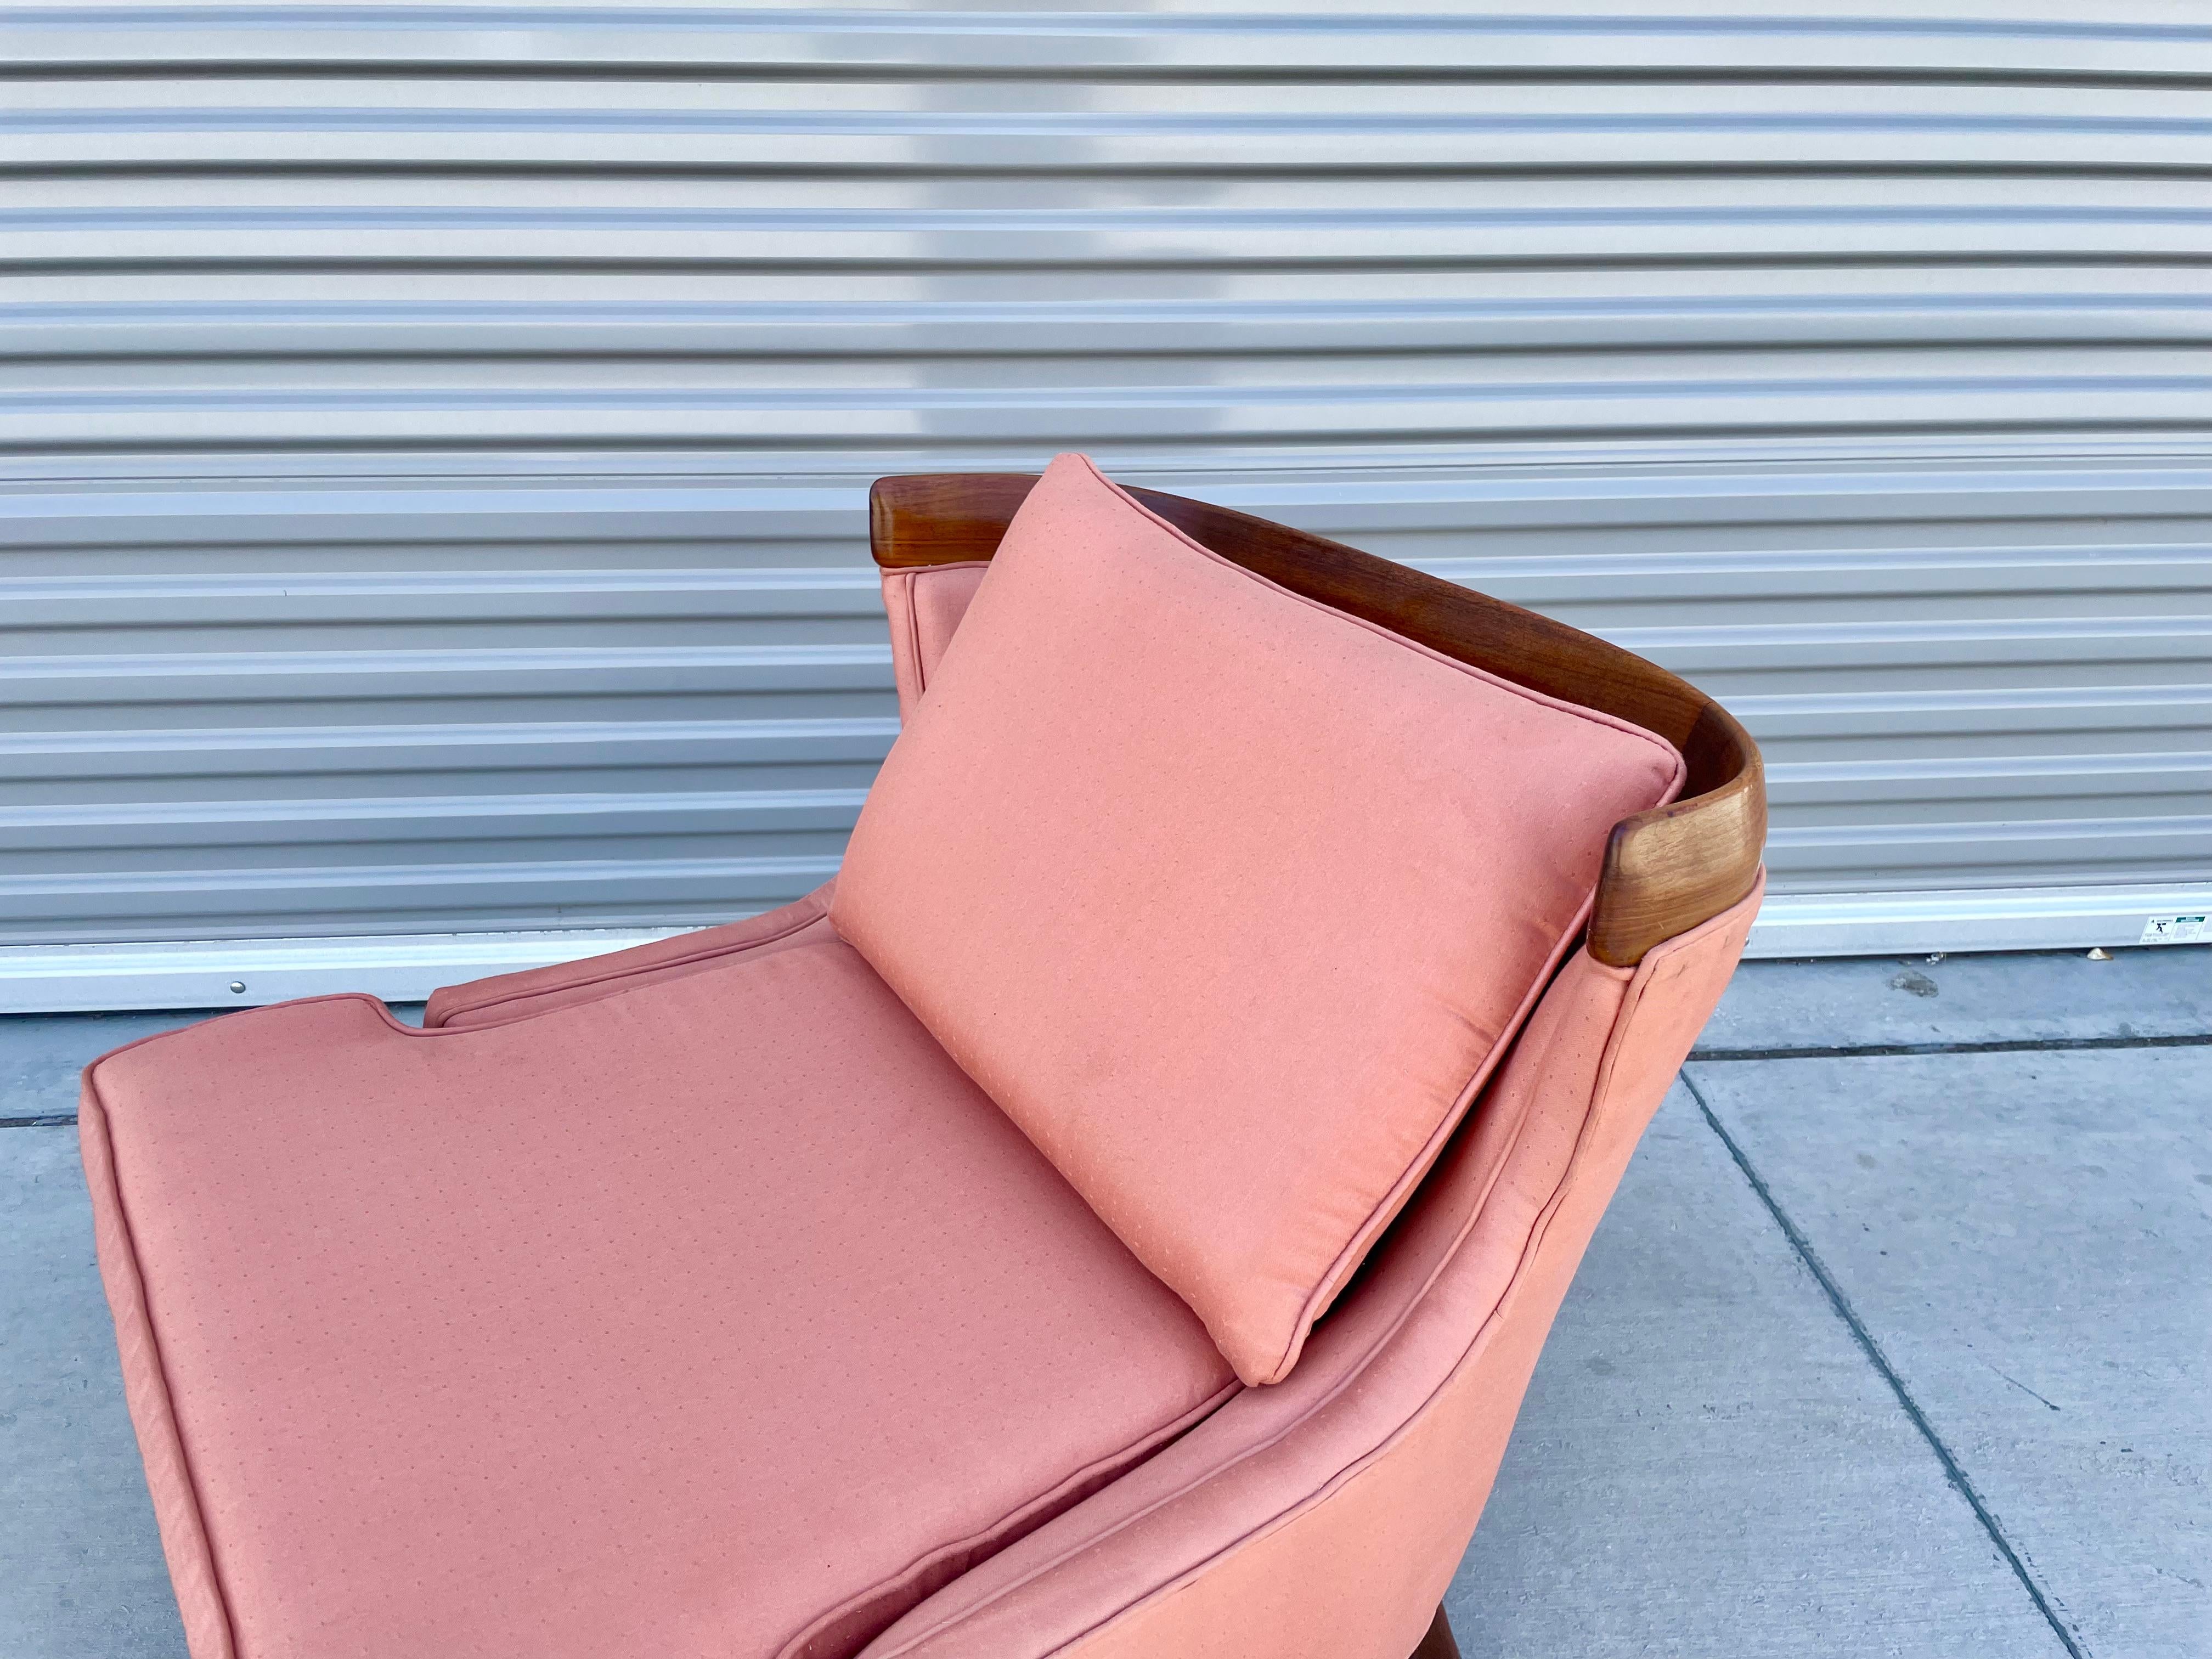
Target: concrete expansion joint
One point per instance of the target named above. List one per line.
(1864, 1340)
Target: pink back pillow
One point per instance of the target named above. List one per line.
(1228, 899)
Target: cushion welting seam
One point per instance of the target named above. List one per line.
(1448, 1123)
(1136, 1450)
(913, 585)
(144, 1320)
(706, 954)
(1537, 1233)
(1132, 1454)
(1343, 1385)
(1641, 982)
(1595, 716)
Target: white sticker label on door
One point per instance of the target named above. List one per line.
(2174, 930)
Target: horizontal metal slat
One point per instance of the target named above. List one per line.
(1619, 38)
(1909, 854)
(985, 330)
(953, 239)
(824, 121)
(254, 900)
(941, 422)
(76, 833)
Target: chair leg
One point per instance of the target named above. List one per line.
(1438, 1642)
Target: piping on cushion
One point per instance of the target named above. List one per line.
(1611, 1107)
(924, 605)
(492, 1001)
(190, 1545)
(185, 1539)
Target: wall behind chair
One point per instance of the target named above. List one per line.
(432, 442)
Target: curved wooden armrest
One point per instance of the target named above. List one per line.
(1665, 871)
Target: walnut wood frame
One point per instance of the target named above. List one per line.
(1665, 871)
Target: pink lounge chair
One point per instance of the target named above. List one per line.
(1119, 1216)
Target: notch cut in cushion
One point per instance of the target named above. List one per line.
(1230, 900)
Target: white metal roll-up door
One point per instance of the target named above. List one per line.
(433, 440)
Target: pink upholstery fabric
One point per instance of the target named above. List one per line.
(924, 607)
(721, 1315)
(539, 990)
(1230, 900)
(1322, 1518)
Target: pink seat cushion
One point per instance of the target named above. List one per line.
(722, 1316)
(1229, 899)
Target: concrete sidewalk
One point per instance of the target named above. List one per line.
(1897, 1341)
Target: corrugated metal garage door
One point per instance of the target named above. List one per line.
(435, 438)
